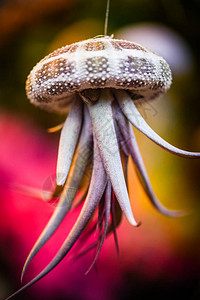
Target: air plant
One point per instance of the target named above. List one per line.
(97, 82)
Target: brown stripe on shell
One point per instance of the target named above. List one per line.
(69, 48)
(120, 45)
(73, 48)
(136, 65)
(58, 52)
(41, 99)
(158, 85)
(94, 46)
(53, 69)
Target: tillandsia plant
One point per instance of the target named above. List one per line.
(97, 82)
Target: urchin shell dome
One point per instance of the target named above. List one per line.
(95, 64)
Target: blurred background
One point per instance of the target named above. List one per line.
(161, 258)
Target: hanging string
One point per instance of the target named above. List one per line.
(106, 18)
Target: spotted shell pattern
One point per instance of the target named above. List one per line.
(94, 64)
